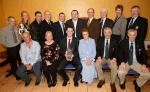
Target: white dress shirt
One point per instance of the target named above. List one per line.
(75, 25)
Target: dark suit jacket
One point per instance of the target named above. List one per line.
(108, 23)
(35, 31)
(46, 27)
(112, 47)
(58, 34)
(142, 24)
(80, 25)
(74, 45)
(93, 28)
(141, 55)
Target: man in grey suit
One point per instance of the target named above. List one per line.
(119, 28)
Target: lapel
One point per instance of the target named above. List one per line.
(136, 21)
(60, 29)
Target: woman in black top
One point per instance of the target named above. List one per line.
(50, 56)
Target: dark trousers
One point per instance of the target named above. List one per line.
(76, 63)
(22, 72)
(117, 37)
(50, 72)
(13, 57)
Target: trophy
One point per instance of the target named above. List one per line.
(69, 54)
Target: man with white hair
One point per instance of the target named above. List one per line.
(104, 22)
(46, 24)
(132, 55)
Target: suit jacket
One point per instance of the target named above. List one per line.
(46, 27)
(74, 45)
(35, 31)
(108, 23)
(112, 47)
(58, 33)
(93, 28)
(142, 25)
(119, 27)
(80, 25)
(141, 55)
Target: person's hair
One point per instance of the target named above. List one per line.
(132, 30)
(26, 32)
(75, 11)
(70, 27)
(37, 12)
(91, 9)
(10, 17)
(49, 32)
(61, 13)
(85, 30)
(108, 28)
(119, 7)
(135, 6)
(28, 22)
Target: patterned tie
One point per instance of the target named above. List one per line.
(69, 44)
(131, 22)
(130, 61)
(107, 50)
(88, 23)
(63, 28)
(14, 35)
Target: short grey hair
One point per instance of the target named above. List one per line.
(132, 30)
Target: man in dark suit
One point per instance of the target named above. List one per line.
(46, 24)
(69, 54)
(138, 23)
(132, 55)
(92, 24)
(35, 30)
(59, 28)
(106, 54)
(76, 23)
(104, 22)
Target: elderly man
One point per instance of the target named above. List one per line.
(104, 22)
(106, 54)
(30, 57)
(132, 55)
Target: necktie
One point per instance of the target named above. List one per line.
(101, 27)
(14, 35)
(63, 28)
(69, 44)
(107, 50)
(131, 22)
(88, 23)
(130, 61)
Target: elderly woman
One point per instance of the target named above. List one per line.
(50, 55)
(87, 53)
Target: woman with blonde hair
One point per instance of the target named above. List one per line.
(50, 56)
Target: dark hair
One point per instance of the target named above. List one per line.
(70, 27)
(108, 28)
(61, 13)
(119, 7)
(135, 6)
(75, 11)
(37, 12)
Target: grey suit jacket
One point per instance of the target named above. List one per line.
(119, 27)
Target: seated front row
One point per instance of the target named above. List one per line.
(130, 52)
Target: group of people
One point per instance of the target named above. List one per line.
(86, 43)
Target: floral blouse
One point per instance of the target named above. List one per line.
(50, 53)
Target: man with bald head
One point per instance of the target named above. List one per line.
(104, 22)
(46, 24)
(30, 58)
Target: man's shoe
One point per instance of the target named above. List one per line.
(65, 82)
(37, 83)
(100, 84)
(123, 86)
(113, 87)
(27, 83)
(137, 88)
